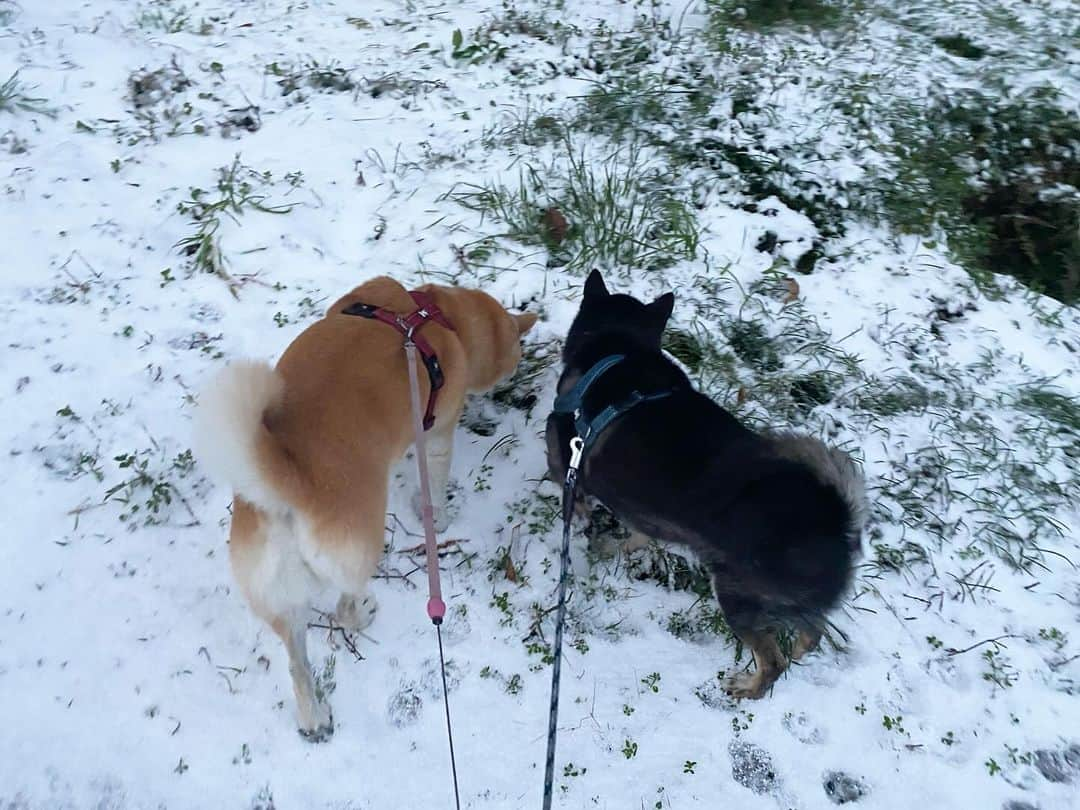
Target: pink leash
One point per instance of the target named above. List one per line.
(436, 608)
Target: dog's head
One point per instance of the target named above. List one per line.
(604, 313)
(490, 335)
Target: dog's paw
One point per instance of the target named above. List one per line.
(746, 686)
(321, 727)
(355, 614)
(441, 514)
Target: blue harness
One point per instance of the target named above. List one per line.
(571, 403)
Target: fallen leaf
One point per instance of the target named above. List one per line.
(556, 225)
(793, 289)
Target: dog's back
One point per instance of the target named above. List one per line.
(776, 517)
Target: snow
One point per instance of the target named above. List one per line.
(131, 673)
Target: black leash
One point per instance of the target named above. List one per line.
(576, 446)
(446, 703)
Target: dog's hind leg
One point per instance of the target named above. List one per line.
(808, 641)
(316, 720)
(769, 663)
(277, 585)
(355, 613)
(747, 620)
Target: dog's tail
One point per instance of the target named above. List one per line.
(232, 441)
(834, 468)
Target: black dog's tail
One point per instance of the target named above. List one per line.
(835, 469)
(798, 524)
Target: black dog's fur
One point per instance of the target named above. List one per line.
(776, 518)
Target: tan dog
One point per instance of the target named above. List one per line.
(308, 449)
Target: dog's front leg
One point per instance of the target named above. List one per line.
(440, 451)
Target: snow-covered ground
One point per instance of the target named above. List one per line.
(345, 140)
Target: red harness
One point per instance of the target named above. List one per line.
(410, 326)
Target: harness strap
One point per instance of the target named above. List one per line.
(572, 402)
(409, 326)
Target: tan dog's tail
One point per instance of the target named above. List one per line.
(231, 438)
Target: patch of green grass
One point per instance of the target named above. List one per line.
(330, 77)
(895, 396)
(765, 14)
(752, 344)
(513, 21)
(978, 489)
(1000, 176)
(1050, 403)
(670, 570)
(960, 45)
(616, 213)
(15, 98)
(170, 17)
(682, 112)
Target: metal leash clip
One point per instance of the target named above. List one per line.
(577, 446)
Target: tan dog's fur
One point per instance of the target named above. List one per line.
(308, 449)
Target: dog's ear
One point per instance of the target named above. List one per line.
(594, 286)
(661, 308)
(525, 321)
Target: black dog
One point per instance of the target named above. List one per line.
(775, 518)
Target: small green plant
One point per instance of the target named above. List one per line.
(236, 194)
(741, 722)
(15, 98)
(150, 489)
(688, 766)
(481, 49)
(992, 767)
(629, 749)
(1054, 636)
(325, 682)
(571, 769)
(483, 478)
(330, 77)
(949, 739)
(652, 681)
(501, 601)
(999, 671)
(514, 684)
(893, 723)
